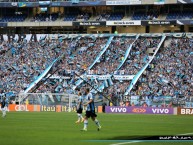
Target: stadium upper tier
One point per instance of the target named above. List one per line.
(180, 15)
(84, 16)
(108, 62)
(13, 18)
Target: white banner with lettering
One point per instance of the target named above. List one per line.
(99, 77)
(116, 77)
(39, 37)
(123, 2)
(123, 23)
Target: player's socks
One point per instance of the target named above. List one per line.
(79, 118)
(82, 119)
(97, 122)
(4, 113)
(85, 124)
(80, 115)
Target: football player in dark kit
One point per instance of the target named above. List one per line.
(3, 107)
(79, 108)
(90, 110)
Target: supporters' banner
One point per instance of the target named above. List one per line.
(138, 110)
(159, 22)
(100, 88)
(123, 23)
(123, 2)
(89, 23)
(105, 77)
(123, 77)
(58, 77)
(180, 35)
(185, 111)
(33, 37)
(99, 77)
(38, 37)
(184, 1)
(110, 81)
(184, 22)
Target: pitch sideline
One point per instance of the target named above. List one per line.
(142, 141)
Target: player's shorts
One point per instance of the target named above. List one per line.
(3, 109)
(90, 114)
(79, 110)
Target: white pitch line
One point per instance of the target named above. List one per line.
(186, 133)
(142, 141)
(125, 142)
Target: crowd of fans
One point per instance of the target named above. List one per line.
(22, 61)
(114, 55)
(45, 17)
(139, 56)
(169, 74)
(82, 53)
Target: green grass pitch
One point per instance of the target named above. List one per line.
(51, 128)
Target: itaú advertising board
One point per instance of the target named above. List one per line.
(138, 110)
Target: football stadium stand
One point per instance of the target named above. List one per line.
(133, 51)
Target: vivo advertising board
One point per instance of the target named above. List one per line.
(138, 110)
